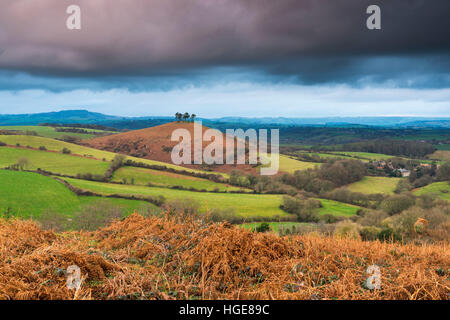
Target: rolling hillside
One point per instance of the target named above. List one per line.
(66, 116)
(77, 150)
(245, 205)
(55, 162)
(290, 165)
(155, 144)
(50, 132)
(143, 177)
(28, 194)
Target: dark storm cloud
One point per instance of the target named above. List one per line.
(311, 41)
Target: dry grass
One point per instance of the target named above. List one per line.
(175, 257)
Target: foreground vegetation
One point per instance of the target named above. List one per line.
(175, 257)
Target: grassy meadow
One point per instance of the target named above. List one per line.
(372, 185)
(52, 161)
(143, 176)
(440, 189)
(50, 132)
(56, 145)
(29, 194)
(364, 155)
(290, 165)
(338, 209)
(327, 155)
(245, 205)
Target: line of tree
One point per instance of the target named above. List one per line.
(116, 163)
(185, 117)
(412, 149)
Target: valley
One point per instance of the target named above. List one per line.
(235, 195)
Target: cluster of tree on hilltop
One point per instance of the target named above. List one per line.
(186, 117)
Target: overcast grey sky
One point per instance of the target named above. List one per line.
(215, 58)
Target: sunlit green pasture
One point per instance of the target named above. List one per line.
(57, 145)
(246, 205)
(371, 185)
(440, 189)
(29, 194)
(50, 132)
(52, 161)
(143, 176)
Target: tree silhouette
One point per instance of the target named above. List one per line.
(185, 117)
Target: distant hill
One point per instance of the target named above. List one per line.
(68, 116)
(155, 144)
(342, 121)
(134, 123)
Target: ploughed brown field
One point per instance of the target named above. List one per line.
(155, 144)
(175, 257)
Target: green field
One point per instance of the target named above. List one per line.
(52, 161)
(246, 205)
(56, 145)
(290, 165)
(440, 189)
(337, 209)
(29, 194)
(142, 176)
(50, 132)
(328, 155)
(371, 185)
(365, 155)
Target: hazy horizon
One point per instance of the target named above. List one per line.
(426, 117)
